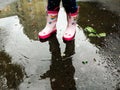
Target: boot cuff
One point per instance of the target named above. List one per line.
(52, 12)
(75, 13)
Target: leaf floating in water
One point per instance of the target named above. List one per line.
(90, 29)
(84, 62)
(93, 33)
(102, 34)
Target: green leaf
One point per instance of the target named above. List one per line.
(92, 35)
(90, 29)
(84, 62)
(102, 34)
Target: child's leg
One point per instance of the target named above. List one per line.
(70, 6)
(72, 12)
(53, 5)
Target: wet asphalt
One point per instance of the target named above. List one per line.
(85, 63)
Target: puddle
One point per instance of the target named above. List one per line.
(86, 63)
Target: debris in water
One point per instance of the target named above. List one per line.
(84, 62)
(93, 33)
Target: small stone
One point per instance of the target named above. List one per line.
(88, 20)
(76, 78)
(119, 56)
(53, 80)
(94, 59)
(29, 82)
(118, 70)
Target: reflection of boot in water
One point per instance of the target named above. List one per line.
(70, 49)
(61, 72)
(55, 51)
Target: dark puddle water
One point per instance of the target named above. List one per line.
(27, 64)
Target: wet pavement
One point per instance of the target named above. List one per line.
(86, 63)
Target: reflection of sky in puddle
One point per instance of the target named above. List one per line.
(23, 51)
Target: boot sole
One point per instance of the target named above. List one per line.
(47, 36)
(68, 39)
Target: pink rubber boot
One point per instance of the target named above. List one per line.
(50, 27)
(71, 28)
